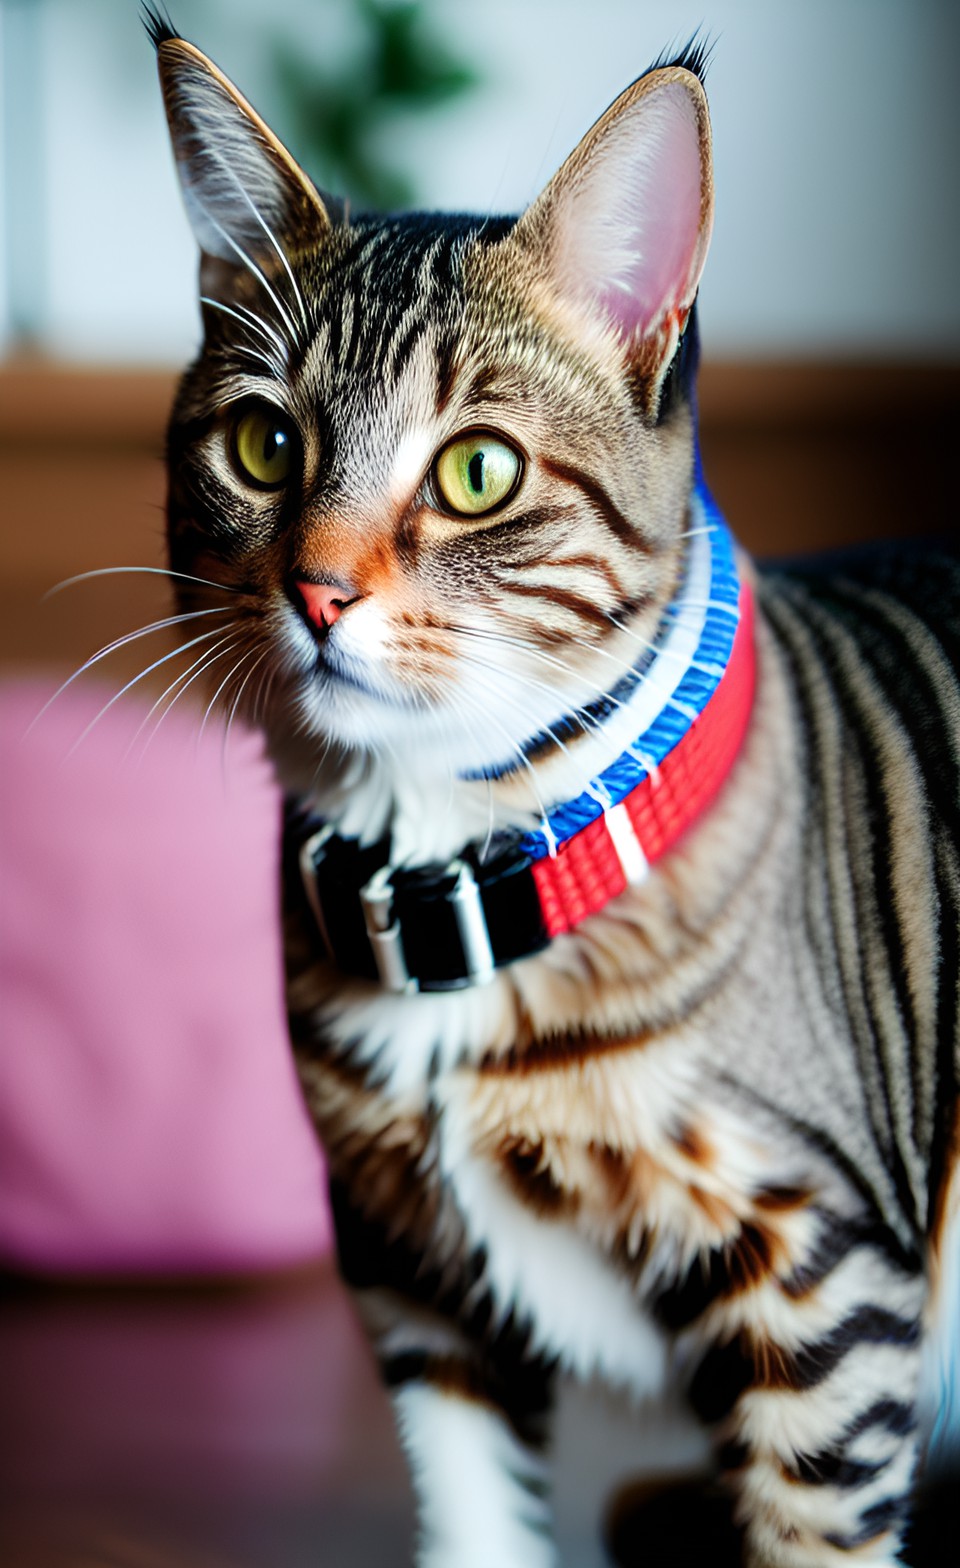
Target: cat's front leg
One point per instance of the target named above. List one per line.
(473, 1403)
(482, 1490)
(820, 1381)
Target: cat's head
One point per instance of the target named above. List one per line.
(440, 465)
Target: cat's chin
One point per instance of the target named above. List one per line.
(435, 740)
(431, 747)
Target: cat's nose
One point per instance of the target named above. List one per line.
(324, 603)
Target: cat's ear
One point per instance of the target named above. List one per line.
(245, 196)
(623, 227)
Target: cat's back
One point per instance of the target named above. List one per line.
(872, 638)
(871, 642)
(922, 574)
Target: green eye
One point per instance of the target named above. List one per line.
(476, 473)
(263, 447)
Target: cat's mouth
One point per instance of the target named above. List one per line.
(341, 657)
(319, 605)
(324, 662)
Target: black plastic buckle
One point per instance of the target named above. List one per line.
(425, 928)
(461, 899)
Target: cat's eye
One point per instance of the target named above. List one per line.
(477, 472)
(263, 447)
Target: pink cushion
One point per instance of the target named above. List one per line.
(150, 1119)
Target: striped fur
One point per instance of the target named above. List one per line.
(711, 1134)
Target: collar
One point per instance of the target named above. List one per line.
(437, 928)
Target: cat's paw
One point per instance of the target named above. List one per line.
(673, 1520)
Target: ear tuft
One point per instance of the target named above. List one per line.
(623, 228)
(156, 20)
(694, 56)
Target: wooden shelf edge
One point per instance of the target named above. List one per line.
(44, 401)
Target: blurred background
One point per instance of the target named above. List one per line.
(216, 1406)
(830, 309)
(836, 139)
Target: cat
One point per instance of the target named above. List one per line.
(622, 878)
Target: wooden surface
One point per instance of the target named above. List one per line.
(800, 457)
(82, 486)
(240, 1426)
(195, 1427)
(243, 1426)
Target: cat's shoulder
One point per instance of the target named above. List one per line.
(854, 583)
(872, 637)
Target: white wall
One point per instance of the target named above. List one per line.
(835, 125)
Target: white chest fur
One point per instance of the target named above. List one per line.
(577, 1306)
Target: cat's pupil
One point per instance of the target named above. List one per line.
(273, 441)
(475, 473)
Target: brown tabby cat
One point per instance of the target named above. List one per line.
(624, 965)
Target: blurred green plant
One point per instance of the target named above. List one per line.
(343, 111)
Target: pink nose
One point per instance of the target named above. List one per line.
(324, 602)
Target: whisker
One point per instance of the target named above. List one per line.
(666, 653)
(236, 701)
(578, 714)
(264, 689)
(504, 696)
(184, 680)
(227, 678)
(445, 738)
(134, 682)
(157, 571)
(606, 696)
(244, 349)
(550, 659)
(248, 317)
(485, 849)
(326, 744)
(701, 604)
(645, 677)
(121, 642)
(248, 320)
(248, 260)
(590, 726)
(284, 262)
(594, 786)
(516, 642)
(525, 760)
(268, 232)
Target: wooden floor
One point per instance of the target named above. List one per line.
(243, 1426)
(239, 1427)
